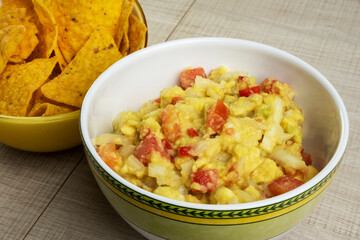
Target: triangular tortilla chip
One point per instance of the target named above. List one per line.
(14, 16)
(49, 29)
(8, 5)
(125, 45)
(137, 33)
(41, 106)
(27, 45)
(70, 87)
(61, 60)
(48, 109)
(123, 25)
(10, 38)
(30, 40)
(19, 82)
(77, 20)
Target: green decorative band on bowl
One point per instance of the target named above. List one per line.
(199, 216)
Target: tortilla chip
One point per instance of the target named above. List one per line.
(49, 29)
(78, 19)
(70, 87)
(60, 58)
(8, 5)
(48, 109)
(30, 40)
(16, 59)
(137, 33)
(17, 3)
(14, 16)
(40, 105)
(39, 97)
(125, 45)
(19, 82)
(10, 38)
(27, 45)
(123, 25)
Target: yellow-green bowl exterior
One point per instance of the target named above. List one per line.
(153, 216)
(41, 134)
(48, 134)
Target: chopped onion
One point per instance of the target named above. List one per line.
(126, 150)
(269, 140)
(183, 190)
(186, 169)
(158, 171)
(198, 148)
(106, 138)
(136, 166)
(287, 159)
(278, 110)
(163, 175)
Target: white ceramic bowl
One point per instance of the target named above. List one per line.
(142, 75)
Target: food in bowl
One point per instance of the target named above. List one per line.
(52, 51)
(217, 139)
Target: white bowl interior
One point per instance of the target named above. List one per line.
(142, 75)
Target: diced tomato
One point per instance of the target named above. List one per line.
(108, 153)
(166, 144)
(249, 91)
(207, 179)
(192, 132)
(168, 148)
(158, 100)
(217, 116)
(187, 77)
(177, 99)
(171, 123)
(283, 185)
(241, 78)
(184, 151)
(307, 157)
(146, 147)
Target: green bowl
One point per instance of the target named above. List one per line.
(142, 75)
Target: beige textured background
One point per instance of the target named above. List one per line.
(54, 196)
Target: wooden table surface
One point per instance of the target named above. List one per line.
(54, 195)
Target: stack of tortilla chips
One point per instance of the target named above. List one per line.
(51, 51)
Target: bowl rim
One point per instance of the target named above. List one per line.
(329, 167)
(41, 119)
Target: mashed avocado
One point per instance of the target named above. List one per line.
(218, 139)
